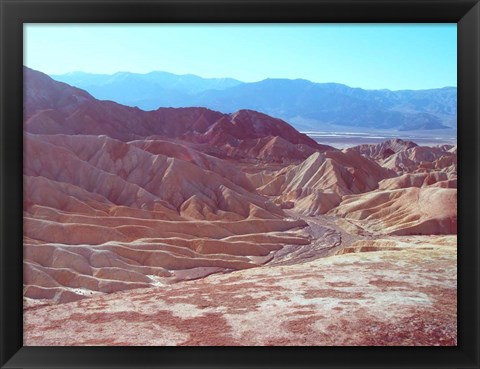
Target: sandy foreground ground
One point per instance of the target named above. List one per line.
(392, 291)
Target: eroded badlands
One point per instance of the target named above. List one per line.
(193, 227)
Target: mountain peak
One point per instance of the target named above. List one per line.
(42, 92)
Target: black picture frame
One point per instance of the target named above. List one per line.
(466, 13)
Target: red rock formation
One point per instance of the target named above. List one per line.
(407, 157)
(243, 134)
(317, 185)
(437, 178)
(383, 150)
(421, 158)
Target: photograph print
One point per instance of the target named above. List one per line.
(240, 184)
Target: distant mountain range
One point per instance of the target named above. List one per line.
(305, 104)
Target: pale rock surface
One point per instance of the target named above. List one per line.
(408, 211)
(404, 293)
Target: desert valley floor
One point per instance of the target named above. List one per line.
(192, 227)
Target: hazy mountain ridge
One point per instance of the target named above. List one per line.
(148, 91)
(294, 100)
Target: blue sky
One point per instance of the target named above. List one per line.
(371, 56)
